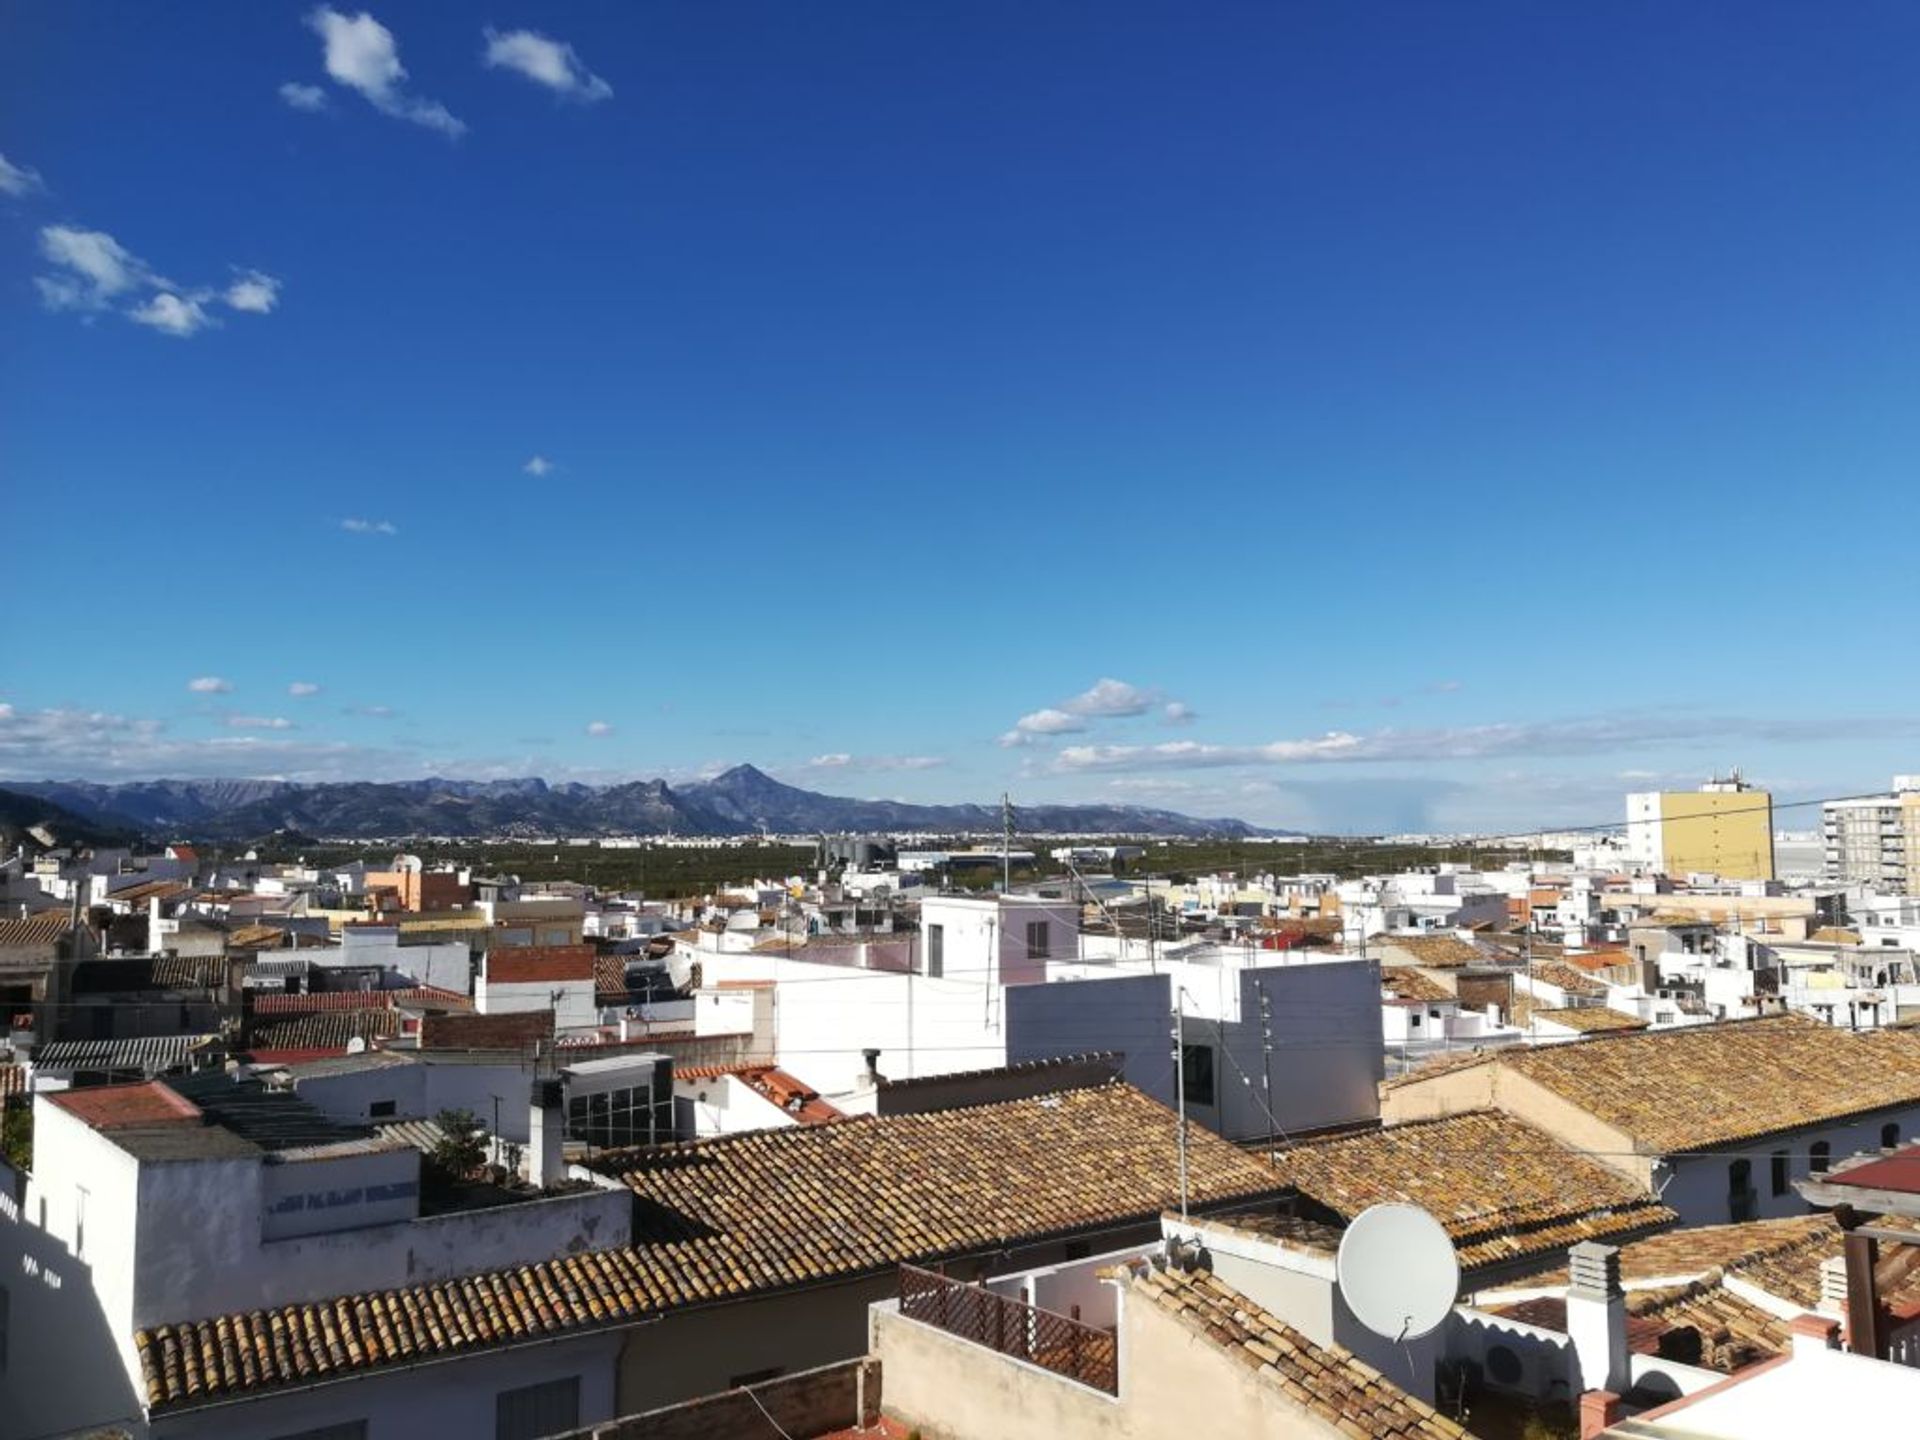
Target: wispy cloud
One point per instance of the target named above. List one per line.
(356, 525)
(210, 685)
(99, 745)
(361, 54)
(599, 728)
(371, 712)
(848, 763)
(300, 689)
(96, 272)
(537, 466)
(258, 722)
(550, 63)
(1105, 699)
(303, 97)
(1597, 735)
(19, 180)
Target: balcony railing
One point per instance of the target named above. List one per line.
(1025, 1332)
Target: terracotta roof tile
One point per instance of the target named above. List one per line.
(112, 1107)
(1407, 983)
(743, 1215)
(1436, 952)
(1502, 1189)
(326, 1029)
(1569, 978)
(538, 964)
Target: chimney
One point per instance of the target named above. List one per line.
(872, 1078)
(1599, 1409)
(1812, 1334)
(547, 1129)
(1597, 1317)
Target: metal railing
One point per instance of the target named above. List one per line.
(1054, 1342)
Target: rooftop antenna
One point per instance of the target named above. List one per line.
(1006, 842)
(1180, 1088)
(1397, 1271)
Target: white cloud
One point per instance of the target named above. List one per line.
(253, 291)
(1112, 698)
(552, 63)
(18, 179)
(99, 268)
(303, 97)
(361, 54)
(1594, 735)
(372, 712)
(537, 466)
(355, 525)
(98, 745)
(300, 689)
(844, 761)
(171, 314)
(258, 722)
(1178, 712)
(1028, 728)
(210, 685)
(598, 728)
(1445, 687)
(98, 272)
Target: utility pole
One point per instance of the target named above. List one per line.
(1180, 1090)
(1006, 842)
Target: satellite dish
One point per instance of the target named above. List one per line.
(1397, 1271)
(357, 1045)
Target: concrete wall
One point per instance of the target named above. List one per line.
(450, 1397)
(812, 1402)
(1699, 1185)
(1129, 1015)
(1172, 1382)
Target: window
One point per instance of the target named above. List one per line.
(622, 1117)
(936, 950)
(380, 1109)
(536, 1410)
(1037, 939)
(1413, 1019)
(1196, 1073)
(1740, 1196)
(1817, 1157)
(1781, 1165)
(1889, 1135)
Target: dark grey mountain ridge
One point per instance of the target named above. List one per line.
(742, 801)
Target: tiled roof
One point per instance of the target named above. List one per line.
(747, 1214)
(1569, 978)
(151, 1053)
(1437, 952)
(111, 1107)
(189, 972)
(1409, 984)
(538, 964)
(610, 976)
(1700, 1322)
(1328, 1381)
(1502, 1189)
(1587, 1019)
(42, 929)
(1668, 1089)
(256, 937)
(312, 1001)
(326, 1030)
(1835, 935)
(1440, 1064)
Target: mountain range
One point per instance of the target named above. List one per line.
(741, 801)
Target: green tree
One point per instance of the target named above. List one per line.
(16, 1131)
(461, 1148)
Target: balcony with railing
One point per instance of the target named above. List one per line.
(1058, 1343)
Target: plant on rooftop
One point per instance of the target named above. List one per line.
(459, 1151)
(16, 1131)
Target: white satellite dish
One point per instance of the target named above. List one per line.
(1397, 1271)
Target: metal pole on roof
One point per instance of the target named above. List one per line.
(1180, 1089)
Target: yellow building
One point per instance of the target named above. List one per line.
(1724, 828)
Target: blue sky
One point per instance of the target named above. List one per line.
(1460, 415)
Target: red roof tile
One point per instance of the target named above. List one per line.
(534, 964)
(111, 1107)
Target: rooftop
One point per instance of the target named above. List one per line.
(1669, 1089)
(1502, 1189)
(747, 1214)
(1436, 952)
(1407, 983)
(539, 964)
(1328, 1381)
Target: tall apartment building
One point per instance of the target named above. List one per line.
(1876, 841)
(1724, 828)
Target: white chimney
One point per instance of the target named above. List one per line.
(1597, 1318)
(547, 1127)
